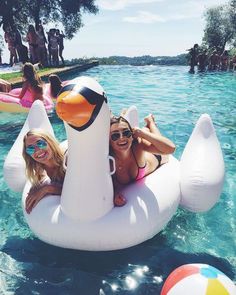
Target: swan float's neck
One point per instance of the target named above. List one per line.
(87, 190)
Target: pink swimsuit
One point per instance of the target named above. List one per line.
(141, 170)
(141, 173)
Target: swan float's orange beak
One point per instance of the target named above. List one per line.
(79, 106)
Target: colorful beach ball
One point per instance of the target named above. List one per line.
(198, 279)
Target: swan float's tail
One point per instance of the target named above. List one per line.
(14, 165)
(201, 168)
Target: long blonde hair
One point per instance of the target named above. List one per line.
(35, 171)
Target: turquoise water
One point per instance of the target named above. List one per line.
(177, 99)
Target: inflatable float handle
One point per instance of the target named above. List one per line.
(113, 164)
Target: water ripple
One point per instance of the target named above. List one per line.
(177, 99)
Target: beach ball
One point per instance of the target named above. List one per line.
(198, 279)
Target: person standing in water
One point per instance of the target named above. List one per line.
(193, 58)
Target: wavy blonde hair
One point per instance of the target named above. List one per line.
(35, 170)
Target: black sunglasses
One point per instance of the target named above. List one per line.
(125, 133)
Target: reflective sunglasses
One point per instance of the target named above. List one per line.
(41, 144)
(125, 133)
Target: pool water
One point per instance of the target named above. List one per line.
(177, 99)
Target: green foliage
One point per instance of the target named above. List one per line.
(67, 12)
(219, 30)
(14, 75)
(232, 52)
(8, 76)
(139, 60)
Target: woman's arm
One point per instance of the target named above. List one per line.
(158, 143)
(23, 90)
(37, 194)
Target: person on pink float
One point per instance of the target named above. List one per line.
(45, 167)
(56, 85)
(137, 152)
(31, 83)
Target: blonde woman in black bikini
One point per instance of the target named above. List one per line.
(137, 152)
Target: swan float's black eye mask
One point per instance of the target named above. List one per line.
(79, 106)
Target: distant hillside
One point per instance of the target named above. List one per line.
(144, 60)
(139, 60)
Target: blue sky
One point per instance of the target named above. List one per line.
(140, 27)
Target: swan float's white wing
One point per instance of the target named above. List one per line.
(14, 165)
(201, 168)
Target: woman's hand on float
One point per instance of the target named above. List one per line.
(119, 200)
(37, 194)
(34, 196)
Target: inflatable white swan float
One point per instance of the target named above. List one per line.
(84, 217)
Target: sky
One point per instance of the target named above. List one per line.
(139, 27)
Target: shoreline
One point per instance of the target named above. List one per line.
(17, 82)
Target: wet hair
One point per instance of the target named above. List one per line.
(31, 76)
(35, 170)
(55, 84)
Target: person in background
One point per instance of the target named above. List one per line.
(49, 48)
(193, 52)
(31, 83)
(233, 63)
(21, 49)
(10, 39)
(45, 168)
(42, 50)
(137, 152)
(53, 45)
(32, 39)
(202, 60)
(0, 55)
(60, 38)
(214, 61)
(55, 85)
(224, 61)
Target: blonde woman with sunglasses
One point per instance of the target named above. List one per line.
(44, 160)
(137, 152)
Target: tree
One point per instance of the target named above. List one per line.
(233, 18)
(219, 30)
(66, 12)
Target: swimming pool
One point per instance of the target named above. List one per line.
(29, 266)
